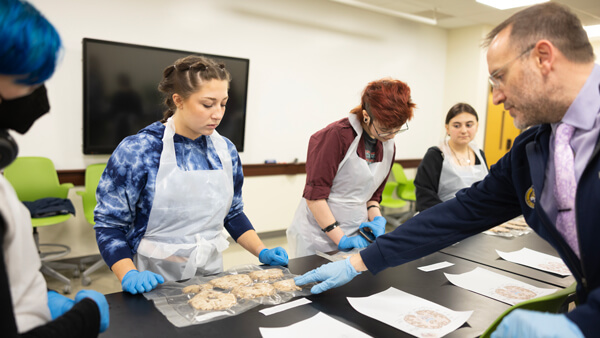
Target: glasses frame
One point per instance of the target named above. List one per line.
(402, 129)
(494, 82)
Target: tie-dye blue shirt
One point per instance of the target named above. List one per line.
(126, 189)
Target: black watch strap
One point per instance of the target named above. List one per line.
(331, 227)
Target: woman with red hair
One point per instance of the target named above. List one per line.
(347, 165)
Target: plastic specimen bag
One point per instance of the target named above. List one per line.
(203, 299)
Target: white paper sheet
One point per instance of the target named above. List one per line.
(319, 325)
(285, 306)
(497, 286)
(536, 260)
(435, 266)
(411, 314)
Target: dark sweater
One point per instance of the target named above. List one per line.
(83, 320)
(427, 180)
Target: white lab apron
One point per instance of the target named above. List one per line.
(28, 288)
(354, 184)
(185, 235)
(455, 177)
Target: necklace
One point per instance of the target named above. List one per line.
(461, 160)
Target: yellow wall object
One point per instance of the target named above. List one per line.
(500, 132)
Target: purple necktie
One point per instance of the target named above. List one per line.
(564, 190)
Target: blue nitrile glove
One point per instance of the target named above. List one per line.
(100, 301)
(346, 243)
(377, 225)
(525, 323)
(140, 282)
(275, 256)
(58, 304)
(331, 275)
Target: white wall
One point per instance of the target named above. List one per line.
(596, 46)
(466, 75)
(309, 61)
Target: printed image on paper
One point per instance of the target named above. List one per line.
(536, 260)
(417, 316)
(497, 286)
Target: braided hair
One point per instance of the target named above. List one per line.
(186, 77)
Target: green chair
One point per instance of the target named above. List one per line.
(391, 200)
(406, 187)
(35, 178)
(388, 200)
(554, 303)
(88, 196)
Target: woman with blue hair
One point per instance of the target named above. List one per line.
(28, 57)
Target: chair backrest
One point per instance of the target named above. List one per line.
(34, 178)
(92, 177)
(398, 172)
(388, 190)
(550, 303)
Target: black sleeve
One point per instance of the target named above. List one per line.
(427, 179)
(7, 316)
(83, 320)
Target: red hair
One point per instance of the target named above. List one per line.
(388, 101)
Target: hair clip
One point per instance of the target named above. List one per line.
(199, 65)
(222, 66)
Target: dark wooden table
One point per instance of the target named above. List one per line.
(134, 316)
(481, 249)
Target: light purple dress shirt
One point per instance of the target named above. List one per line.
(584, 115)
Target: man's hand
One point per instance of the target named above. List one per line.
(331, 275)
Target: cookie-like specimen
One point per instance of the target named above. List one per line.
(515, 292)
(254, 291)
(286, 285)
(231, 281)
(212, 300)
(499, 229)
(197, 288)
(268, 274)
(427, 319)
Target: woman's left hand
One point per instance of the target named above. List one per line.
(377, 225)
(275, 256)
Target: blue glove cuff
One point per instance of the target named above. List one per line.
(129, 274)
(262, 256)
(351, 270)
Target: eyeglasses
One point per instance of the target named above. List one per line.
(391, 133)
(494, 80)
(386, 134)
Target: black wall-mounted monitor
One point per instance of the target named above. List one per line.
(120, 94)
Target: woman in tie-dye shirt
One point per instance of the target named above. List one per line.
(168, 191)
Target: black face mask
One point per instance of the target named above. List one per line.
(19, 114)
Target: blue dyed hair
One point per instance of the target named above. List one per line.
(29, 44)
